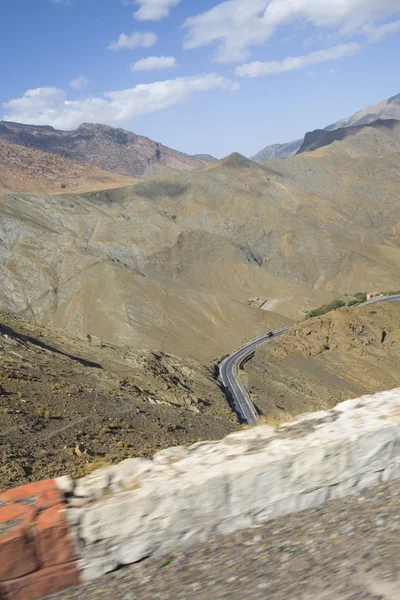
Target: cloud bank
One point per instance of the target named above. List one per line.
(132, 41)
(154, 63)
(50, 106)
(154, 10)
(295, 63)
(234, 26)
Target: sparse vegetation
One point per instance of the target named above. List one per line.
(325, 308)
(355, 300)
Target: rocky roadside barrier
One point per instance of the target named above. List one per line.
(59, 533)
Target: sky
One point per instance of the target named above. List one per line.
(200, 76)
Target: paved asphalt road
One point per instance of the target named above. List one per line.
(234, 388)
(384, 299)
(228, 370)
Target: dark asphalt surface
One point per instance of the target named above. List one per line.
(234, 388)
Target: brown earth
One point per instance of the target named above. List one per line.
(321, 362)
(57, 392)
(31, 170)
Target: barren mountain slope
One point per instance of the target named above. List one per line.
(360, 139)
(57, 391)
(115, 150)
(86, 263)
(173, 262)
(342, 355)
(387, 109)
(31, 170)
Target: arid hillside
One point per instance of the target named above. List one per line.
(108, 148)
(58, 391)
(318, 363)
(174, 263)
(31, 170)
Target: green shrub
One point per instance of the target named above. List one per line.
(354, 302)
(325, 308)
(360, 297)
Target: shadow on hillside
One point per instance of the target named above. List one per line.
(5, 330)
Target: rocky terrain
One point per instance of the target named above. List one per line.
(387, 109)
(323, 361)
(172, 263)
(107, 148)
(59, 392)
(24, 169)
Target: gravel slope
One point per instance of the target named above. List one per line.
(344, 550)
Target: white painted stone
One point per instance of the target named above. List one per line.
(392, 472)
(241, 481)
(65, 484)
(95, 485)
(128, 473)
(170, 455)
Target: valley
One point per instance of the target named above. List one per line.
(118, 300)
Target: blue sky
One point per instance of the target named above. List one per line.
(201, 76)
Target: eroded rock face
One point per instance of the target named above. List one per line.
(243, 480)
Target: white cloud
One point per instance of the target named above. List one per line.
(79, 83)
(154, 63)
(154, 10)
(63, 2)
(295, 63)
(132, 41)
(50, 106)
(379, 33)
(234, 26)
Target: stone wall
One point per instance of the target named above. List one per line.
(37, 556)
(129, 511)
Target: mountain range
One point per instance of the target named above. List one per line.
(175, 262)
(104, 147)
(387, 109)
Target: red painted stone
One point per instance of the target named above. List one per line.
(41, 583)
(41, 494)
(53, 541)
(17, 548)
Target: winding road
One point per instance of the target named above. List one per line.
(235, 390)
